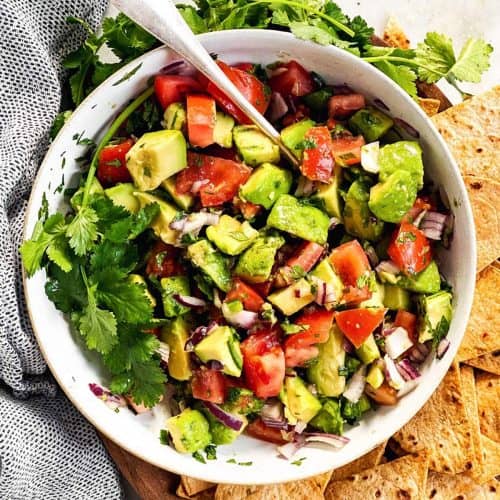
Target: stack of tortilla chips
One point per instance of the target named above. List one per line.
(451, 448)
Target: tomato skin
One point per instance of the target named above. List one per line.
(347, 150)
(306, 255)
(318, 160)
(250, 299)
(300, 347)
(249, 85)
(224, 176)
(164, 261)
(259, 430)
(172, 88)
(263, 289)
(408, 321)
(248, 210)
(421, 203)
(409, 249)
(350, 262)
(358, 324)
(109, 172)
(263, 363)
(292, 79)
(200, 119)
(208, 385)
(343, 106)
(353, 295)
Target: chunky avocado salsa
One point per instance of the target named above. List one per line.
(278, 303)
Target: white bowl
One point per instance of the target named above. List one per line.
(74, 367)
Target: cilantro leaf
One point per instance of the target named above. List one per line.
(117, 256)
(66, 290)
(59, 253)
(58, 123)
(334, 11)
(474, 59)
(82, 230)
(107, 212)
(314, 33)
(404, 76)
(435, 57)
(362, 32)
(103, 70)
(193, 19)
(133, 225)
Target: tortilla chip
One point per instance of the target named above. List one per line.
(429, 105)
(394, 34)
(442, 427)
(296, 490)
(491, 459)
(470, 401)
(402, 478)
(205, 495)
(487, 362)
(322, 480)
(484, 196)
(488, 399)
(448, 486)
(472, 132)
(432, 91)
(481, 336)
(189, 486)
(371, 459)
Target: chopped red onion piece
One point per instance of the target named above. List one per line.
(111, 400)
(276, 424)
(305, 187)
(394, 379)
(397, 341)
(193, 223)
(277, 107)
(334, 222)
(442, 348)
(387, 266)
(188, 301)
(300, 427)
(342, 89)
(372, 256)
(215, 364)
(356, 385)
(288, 450)
(164, 352)
(348, 347)
(407, 370)
(242, 319)
(178, 67)
(272, 409)
(228, 419)
(417, 219)
(331, 439)
(381, 104)
(408, 387)
(407, 128)
(418, 353)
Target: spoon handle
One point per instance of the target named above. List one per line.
(162, 19)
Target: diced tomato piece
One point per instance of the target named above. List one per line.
(250, 299)
(250, 86)
(353, 295)
(291, 79)
(297, 355)
(112, 166)
(347, 150)
(164, 261)
(172, 88)
(263, 289)
(259, 430)
(343, 106)
(350, 262)
(263, 363)
(223, 178)
(318, 160)
(410, 249)
(421, 203)
(408, 321)
(248, 210)
(301, 112)
(200, 119)
(220, 152)
(208, 385)
(306, 255)
(358, 324)
(245, 66)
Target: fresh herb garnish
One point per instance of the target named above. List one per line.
(231, 461)
(211, 452)
(299, 461)
(198, 456)
(164, 436)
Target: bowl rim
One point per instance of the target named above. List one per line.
(468, 286)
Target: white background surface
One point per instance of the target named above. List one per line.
(459, 19)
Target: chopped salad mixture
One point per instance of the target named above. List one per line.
(278, 303)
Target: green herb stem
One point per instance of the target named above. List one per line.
(109, 135)
(403, 60)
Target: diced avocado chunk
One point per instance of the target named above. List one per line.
(368, 351)
(299, 219)
(221, 434)
(396, 297)
(293, 298)
(222, 345)
(266, 184)
(402, 155)
(377, 298)
(293, 136)
(435, 316)
(330, 194)
(325, 372)
(329, 419)
(184, 201)
(253, 146)
(223, 131)
(371, 123)
(139, 280)
(426, 281)
(155, 157)
(392, 198)
(172, 286)
(189, 430)
(161, 224)
(352, 412)
(242, 401)
(256, 263)
(122, 195)
(325, 272)
(359, 221)
(375, 376)
(175, 334)
(231, 236)
(175, 116)
(299, 400)
(95, 189)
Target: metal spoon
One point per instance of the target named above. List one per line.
(162, 19)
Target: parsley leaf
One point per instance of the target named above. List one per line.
(82, 230)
